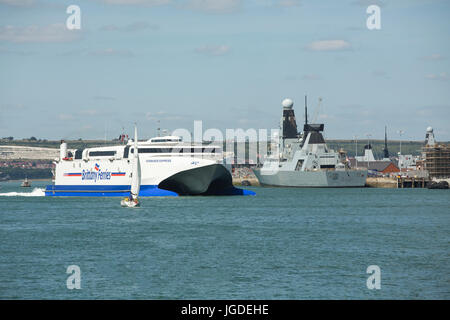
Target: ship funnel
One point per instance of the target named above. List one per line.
(63, 150)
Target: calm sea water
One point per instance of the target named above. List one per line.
(280, 244)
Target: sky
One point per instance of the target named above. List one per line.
(229, 63)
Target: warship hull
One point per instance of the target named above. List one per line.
(312, 179)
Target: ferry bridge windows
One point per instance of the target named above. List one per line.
(195, 150)
(126, 152)
(78, 154)
(166, 140)
(154, 150)
(101, 153)
(174, 150)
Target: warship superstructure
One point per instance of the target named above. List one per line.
(304, 159)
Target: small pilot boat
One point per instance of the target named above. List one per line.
(26, 183)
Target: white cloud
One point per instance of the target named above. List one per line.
(212, 50)
(329, 45)
(43, 34)
(161, 115)
(214, 6)
(443, 76)
(290, 77)
(289, 3)
(18, 3)
(4, 51)
(104, 98)
(311, 77)
(326, 116)
(136, 26)
(366, 3)
(65, 116)
(111, 53)
(137, 2)
(434, 57)
(90, 112)
(380, 74)
(12, 106)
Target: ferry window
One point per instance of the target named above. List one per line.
(101, 153)
(166, 140)
(191, 150)
(178, 149)
(175, 149)
(126, 151)
(209, 150)
(155, 150)
(198, 150)
(78, 153)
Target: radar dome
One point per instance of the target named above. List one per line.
(287, 103)
(429, 129)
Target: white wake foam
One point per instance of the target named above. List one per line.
(37, 192)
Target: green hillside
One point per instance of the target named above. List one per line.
(408, 147)
(72, 144)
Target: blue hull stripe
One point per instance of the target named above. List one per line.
(122, 191)
(104, 191)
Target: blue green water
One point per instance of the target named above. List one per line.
(280, 244)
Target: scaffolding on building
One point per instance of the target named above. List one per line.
(437, 160)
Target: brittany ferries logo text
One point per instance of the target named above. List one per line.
(96, 174)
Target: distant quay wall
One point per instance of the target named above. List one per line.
(238, 181)
(381, 182)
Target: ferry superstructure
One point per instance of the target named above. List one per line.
(168, 167)
(304, 159)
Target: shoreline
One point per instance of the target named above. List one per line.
(31, 180)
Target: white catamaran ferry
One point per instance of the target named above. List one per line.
(168, 167)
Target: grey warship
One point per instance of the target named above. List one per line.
(304, 160)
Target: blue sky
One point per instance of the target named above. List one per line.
(229, 63)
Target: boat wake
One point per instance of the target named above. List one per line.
(37, 192)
